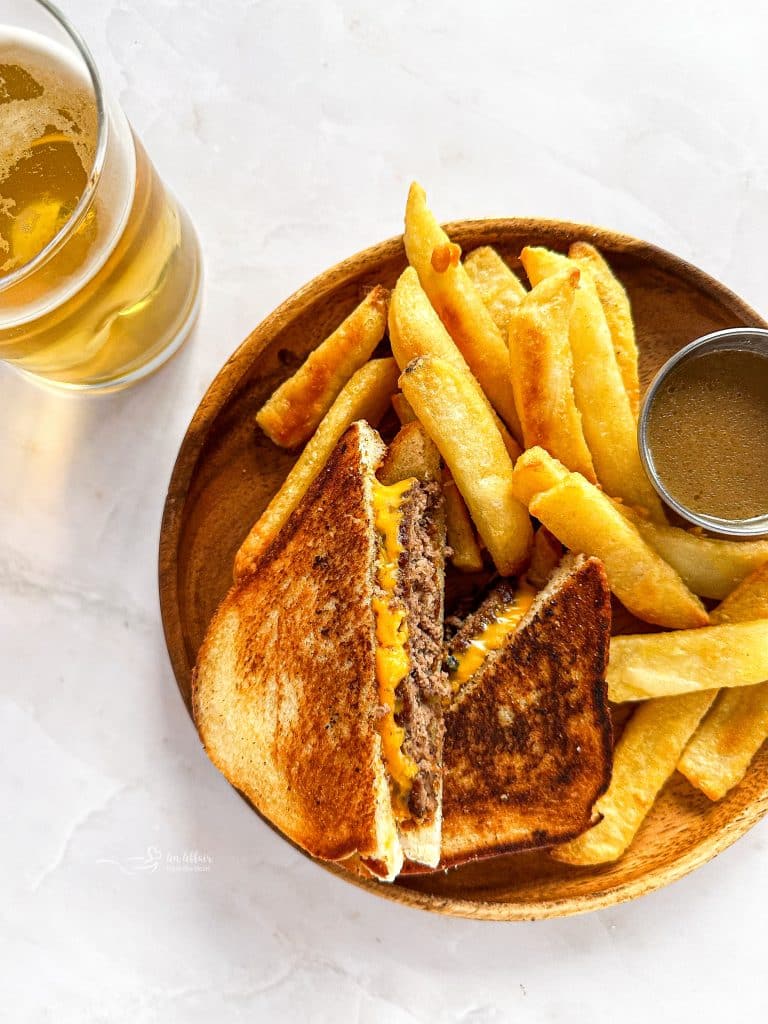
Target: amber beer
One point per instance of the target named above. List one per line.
(99, 266)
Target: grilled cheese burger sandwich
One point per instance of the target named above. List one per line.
(318, 691)
(528, 740)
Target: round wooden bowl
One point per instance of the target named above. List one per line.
(226, 472)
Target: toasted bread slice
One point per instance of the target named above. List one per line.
(528, 739)
(285, 693)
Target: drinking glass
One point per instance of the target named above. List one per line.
(100, 267)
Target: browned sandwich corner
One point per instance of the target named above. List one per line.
(528, 740)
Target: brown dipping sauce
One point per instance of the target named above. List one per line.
(708, 432)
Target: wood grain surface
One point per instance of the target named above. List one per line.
(227, 470)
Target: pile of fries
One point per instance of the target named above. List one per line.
(525, 403)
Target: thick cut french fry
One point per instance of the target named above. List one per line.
(416, 330)
(460, 423)
(499, 287)
(545, 557)
(365, 397)
(587, 521)
(644, 759)
(651, 746)
(467, 556)
(537, 471)
(292, 414)
(489, 273)
(618, 316)
(688, 661)
(749, 600)
(459, 305)
(658, 738)
(411, 454)
(709, 567)
(607, 418)
(718, 755)
(403, 411)
(721, 750)
(542, 372)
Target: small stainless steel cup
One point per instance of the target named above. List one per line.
(746, 339)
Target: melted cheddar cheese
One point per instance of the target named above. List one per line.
(392, 660)
(490, 638)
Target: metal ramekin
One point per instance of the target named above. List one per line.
(749, 339)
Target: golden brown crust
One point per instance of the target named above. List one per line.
(528, 745)
(285, 692)
(291, 415)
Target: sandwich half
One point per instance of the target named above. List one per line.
(318, 690)
(528, 739)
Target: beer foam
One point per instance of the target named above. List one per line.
(59, 106)
(67, 103)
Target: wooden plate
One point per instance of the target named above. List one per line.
(226, 471)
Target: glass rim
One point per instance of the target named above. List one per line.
(83, 204)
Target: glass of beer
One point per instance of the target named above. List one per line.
(100, 267)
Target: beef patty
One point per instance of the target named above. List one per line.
(420, 590)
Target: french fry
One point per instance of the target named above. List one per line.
(537, 471)
(717, 757)
(651, 746)
(365, 397)
(542, 372)
(292, 414)
(618, 316)
(416, 330)
(607, 418)
(499, 287)
(403, 411)
(411, 454)
(722, 749)
(643, 760)
(459, 422)
(708, 566)
(545, 557)
(749, 600)
(688, 661)
(586, 520)
(459, 305)
(489, 273)
(467, 556)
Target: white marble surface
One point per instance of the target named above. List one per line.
(291, 132)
